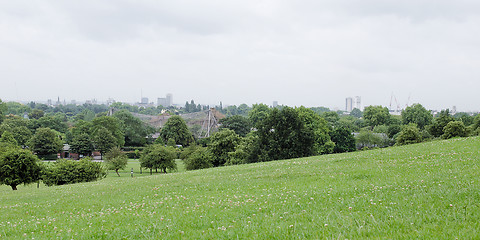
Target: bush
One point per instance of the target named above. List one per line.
(454, 129)
(199, 159)
(71, 171)
(409, 134)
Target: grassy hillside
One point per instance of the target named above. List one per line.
(428, 190)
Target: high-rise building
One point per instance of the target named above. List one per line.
(348, 104)
(358, 103)
(275, 104)
(162, 102)
(144, 100)
(169, 99)
(165, 102)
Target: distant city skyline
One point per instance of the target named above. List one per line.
(310, 53)
(355, 101)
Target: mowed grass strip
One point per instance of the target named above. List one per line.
(427, 190)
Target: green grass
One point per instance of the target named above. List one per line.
(429, 190)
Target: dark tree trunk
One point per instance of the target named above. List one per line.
(150, 171)
(14, 187)
(116, 170)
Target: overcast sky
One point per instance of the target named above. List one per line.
(311, 53)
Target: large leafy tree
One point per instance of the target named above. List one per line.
(56, 122)
(7, 138)
(81, 127)
(343, 139)
(116, 160)
(356, 113)
(45, 142)
(240, 124)
(331, 117)
(82, 144)
(176, 129)
(440, 122)
(135, 130)
(221, 143)
(18, 166)
(111, 124)
(158, 157)
(258, 113)
(36, 114)
(376, 115)
(104, 141)
(320, 129)
(283, 135)
(3, 110)
(417, 114)
(18, 127)
(367, 138)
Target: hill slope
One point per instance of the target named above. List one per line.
(426, 190)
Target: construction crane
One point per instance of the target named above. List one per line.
(397, 110)
(209, 123)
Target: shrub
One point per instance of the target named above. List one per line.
(200, 158)
(71, 171)
(454, 129)
(409, 134)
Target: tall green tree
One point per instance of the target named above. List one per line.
(56, 122)
(18, 166)
(104, 141)
(440, 122)
(320, 129)
(45, 142)
(376, 115)
(356, 113)
(3, 110)
(221, 143)
(331, 117)
(240, 124)
(82, 144)
(36, 114)
(343, 139)
(7, 138)
(18, 127)
(158, 157)
(177, 129)
(258, 113)
(135, 130)
(116, 160)
(113, 125)
(283, 135)
(417, 114)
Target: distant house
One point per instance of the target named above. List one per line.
(67, 154)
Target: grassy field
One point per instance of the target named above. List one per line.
(429, 190)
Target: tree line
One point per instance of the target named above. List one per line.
(248, 134)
